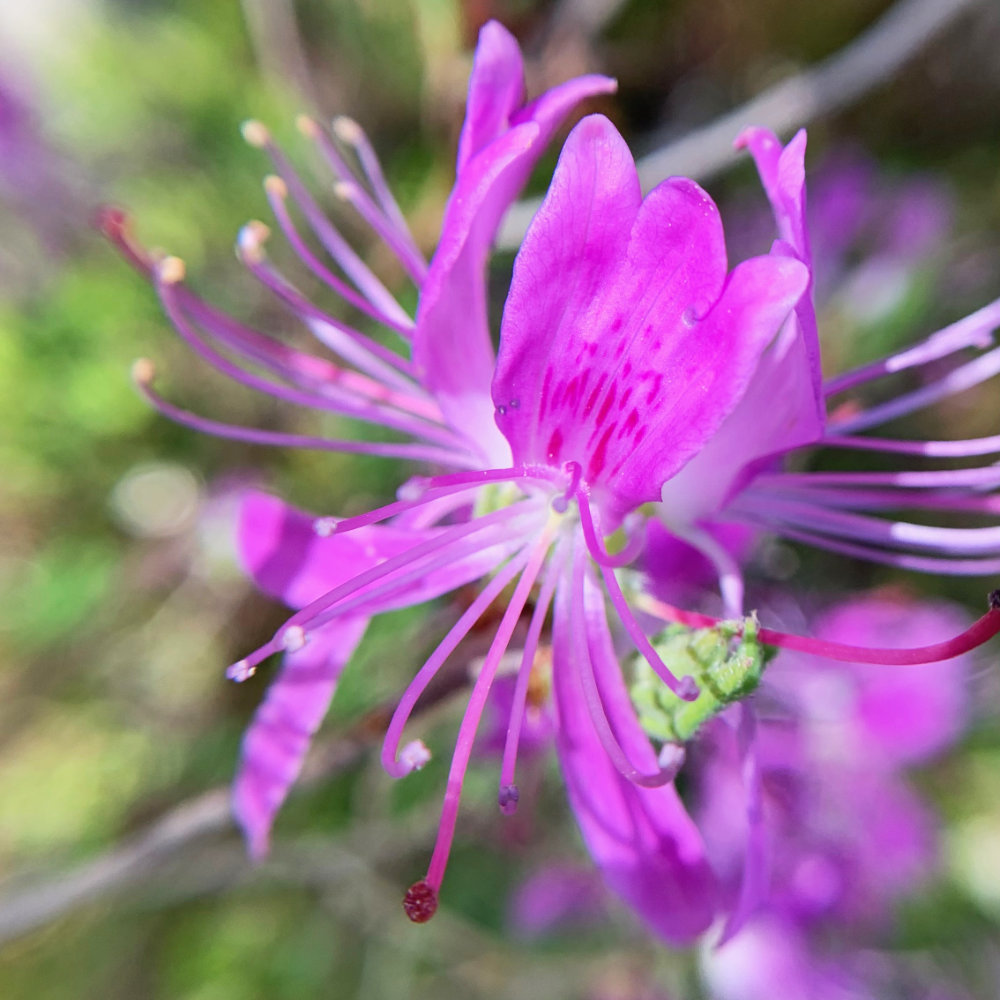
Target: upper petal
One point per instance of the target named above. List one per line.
(496, 90)
(501, 142)
(623, 344)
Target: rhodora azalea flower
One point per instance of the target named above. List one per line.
(627, 348)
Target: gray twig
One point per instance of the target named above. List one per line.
(870, 60)
(28, 903)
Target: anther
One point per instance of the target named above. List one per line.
(345, 190)
(671, 758)
(171, 270)
(255, 133)
(309, 127)
(420, 902)
(293, 638)
(687, 688)
(415, 755)
(347, 130)
(143, 371)
(325, 526)
(507, 799)
(994, 600)
(275, 186)
(250, 242)
(240, 671)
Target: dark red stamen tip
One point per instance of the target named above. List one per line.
(115, 225)
(420, 902)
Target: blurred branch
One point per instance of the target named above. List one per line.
(277, 44)
(39, 901)
(873, 58)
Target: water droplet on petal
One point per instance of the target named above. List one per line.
(689, 317)
(501, 410)
(515, 403)
(420, 902)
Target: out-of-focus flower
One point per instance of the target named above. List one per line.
(848, 835)
(633, 367)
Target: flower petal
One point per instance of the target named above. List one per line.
(645, 844)
(500, 144)
(278, 738)
(623, 345)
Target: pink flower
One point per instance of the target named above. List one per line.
(628, 352)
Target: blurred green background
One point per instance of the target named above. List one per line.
(121, 601)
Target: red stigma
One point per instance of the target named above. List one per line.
(420, 902)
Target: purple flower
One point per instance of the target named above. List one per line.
(848, 836)
(628, 353)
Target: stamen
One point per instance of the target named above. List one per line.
(319, 611)
(688, 690)
(474, 709)
(956, 381)
(583, 657)
(277, 194)
(169, 274)
(420, 902)
(392, 761)
(516, 718)
(507, 799)
(143, 373)
(353, 135)
(396, 237)
(353, 266)
(971, 331)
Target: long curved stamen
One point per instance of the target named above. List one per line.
(633, 545)
(277, 196)
(968, 448)
(985, 477)
(972, 331)
(956, 381)
(387, 365)
(144, 372)
(508, 795)
(423, 490)
(391, 761)
(474, 710)
(726, 567)
(683, 687)
(980, 632)
(169, 275)
(891, 534)
(460, 539)
(323, 608)
(350, 133)
(353, 266)
(901, 560)
(883, 499)
(397, 237)
(583, 657)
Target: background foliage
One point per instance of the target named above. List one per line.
(121, 602)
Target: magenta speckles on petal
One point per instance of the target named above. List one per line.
(598, 299)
